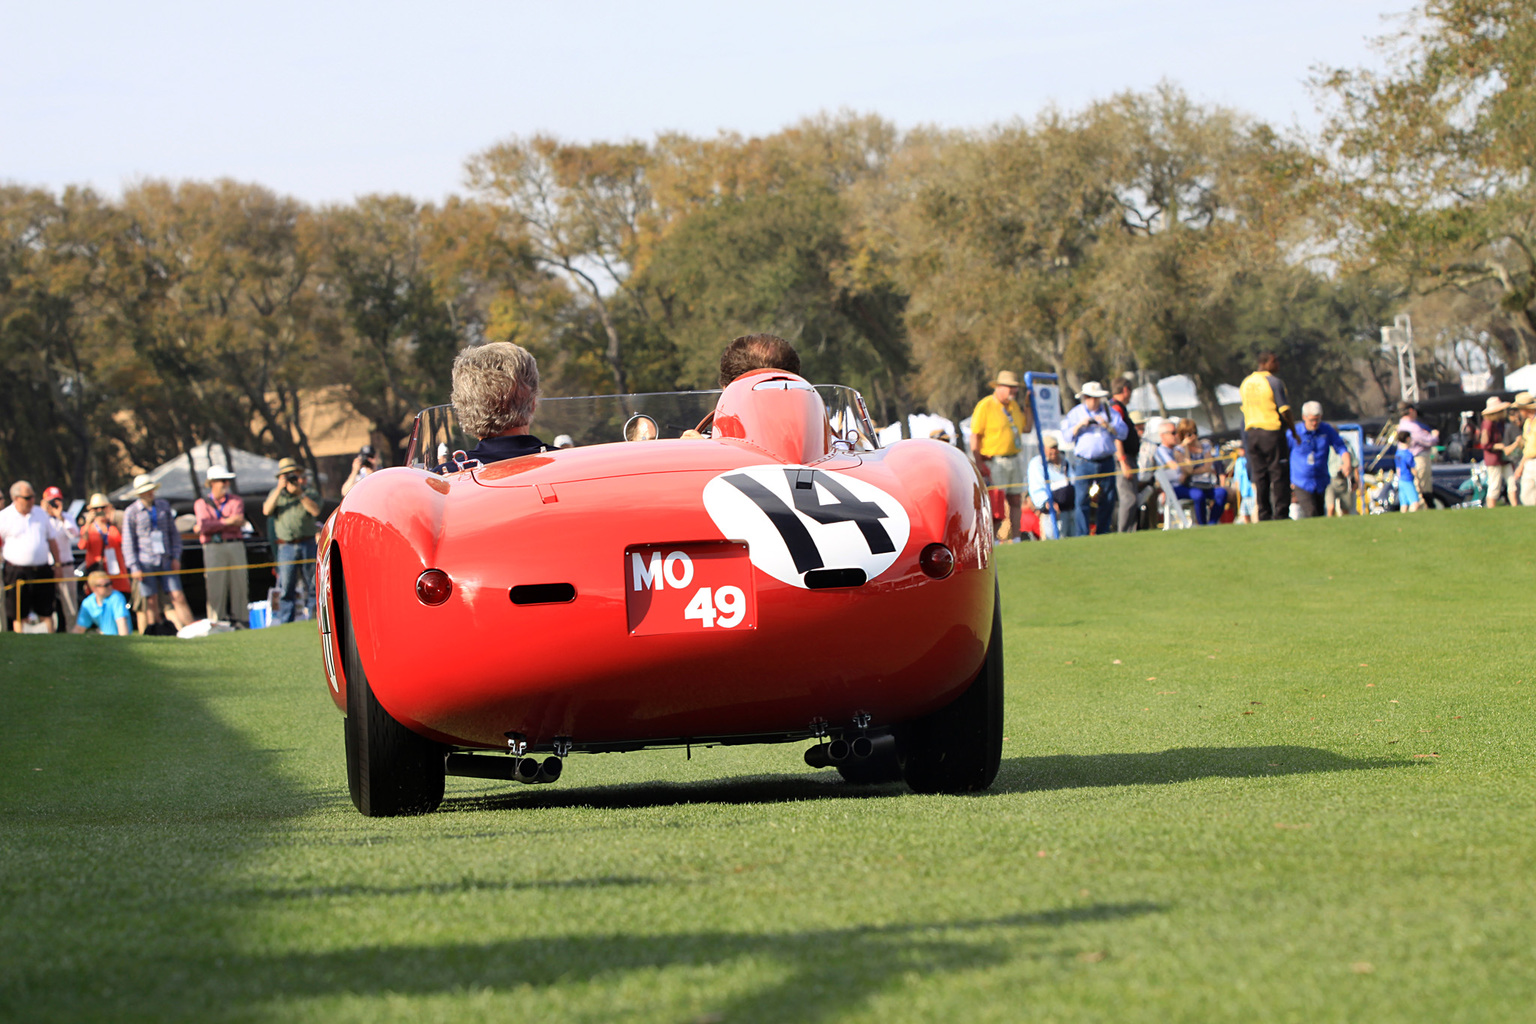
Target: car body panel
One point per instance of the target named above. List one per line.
(479, 666)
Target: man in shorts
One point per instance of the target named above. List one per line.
(152, 549)
(998, 424)
(31, 540)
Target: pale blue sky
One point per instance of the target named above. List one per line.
(326, 100)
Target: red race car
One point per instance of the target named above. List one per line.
(770, 576)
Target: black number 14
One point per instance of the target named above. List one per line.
(845, 508)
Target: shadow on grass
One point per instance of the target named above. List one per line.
(1017, 775)
(751, 789)
(812, 975)
(463, 885)
(1182, 764)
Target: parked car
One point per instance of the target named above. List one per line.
(779, 578)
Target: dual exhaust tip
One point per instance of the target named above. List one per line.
(528, 770)
(841, 751)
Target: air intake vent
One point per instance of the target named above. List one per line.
(547, 593)
(827, 579)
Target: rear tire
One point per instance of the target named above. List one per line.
(958, 748)
(391, 771)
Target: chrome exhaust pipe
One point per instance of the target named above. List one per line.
(550, 770)
(527, 770)
(826, 755)
(861, 747)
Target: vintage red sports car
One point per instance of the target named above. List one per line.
(780, 577)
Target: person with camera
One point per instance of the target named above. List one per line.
(366, 461)
(291, 508)
(102, 542)
(220, 526)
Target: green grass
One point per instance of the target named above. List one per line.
(1268, 773)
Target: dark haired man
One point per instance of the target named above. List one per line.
(757, 352)
(1266, 420)
(1127, 448)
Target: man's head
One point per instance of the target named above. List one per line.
(1168, 433)
(53, 501)
(495, 389)
(1312, 414)
(1524, 405)
(23, 496)
(218, 481)
(145, 487)
(290, 474)
(1093, 395)
(99, 505)
(564, 441)
(1122, 391)
(1268, 362)
(1052, 442)
(1005, 386)
(368, 454)
(1408, 409)
(757, 352)
(100, 583)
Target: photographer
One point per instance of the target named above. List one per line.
(367, 461)
(291, 508)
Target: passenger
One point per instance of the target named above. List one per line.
(495, 393)
(757, 352)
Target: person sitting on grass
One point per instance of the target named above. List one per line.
(1408, 497)
(106, 609)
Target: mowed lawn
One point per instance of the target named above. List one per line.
(1281, 772)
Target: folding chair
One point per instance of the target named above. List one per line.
(1176, 511)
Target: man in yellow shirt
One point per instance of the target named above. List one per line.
(1266, 418)
(1525, 408)
(997, 426)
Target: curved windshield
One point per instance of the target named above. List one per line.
(601, 419)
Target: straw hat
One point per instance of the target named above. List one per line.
(1496, 406)
(144, 483)
(1138, 417)
(98, 500)
(1005, 378)
(1093, 389)
(1051, 439)
(1524, 400)
(288, 466)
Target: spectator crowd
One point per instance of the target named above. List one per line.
(1107, 468)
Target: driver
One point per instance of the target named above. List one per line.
(495, 392)
(757, 352)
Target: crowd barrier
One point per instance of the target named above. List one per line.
(6, 624)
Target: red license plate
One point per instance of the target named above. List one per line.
(687, 588)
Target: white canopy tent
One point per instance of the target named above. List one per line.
(1180, 399)
(919, 424)
(254, 474)
(1523, 379)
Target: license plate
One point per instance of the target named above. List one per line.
(688, 588)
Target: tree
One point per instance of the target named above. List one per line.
(1435, 157)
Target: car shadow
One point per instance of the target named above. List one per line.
(1180, 764)
(1016, 775)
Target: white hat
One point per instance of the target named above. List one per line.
(144, 483)
(1051, 439)
(1312, 409)
(1093, 389)
(564, 441)
(220, 473)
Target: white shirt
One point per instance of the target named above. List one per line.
(27, 537)
(69, 532)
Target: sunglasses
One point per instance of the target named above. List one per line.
(101, 586)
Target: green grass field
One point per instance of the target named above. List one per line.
(1279, 773)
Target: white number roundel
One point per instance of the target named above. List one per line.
(798, 520)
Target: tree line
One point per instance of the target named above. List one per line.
(1143, 233)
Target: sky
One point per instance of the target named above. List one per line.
(329, 100)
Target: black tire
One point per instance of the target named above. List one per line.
(391, 771)
(959, 748)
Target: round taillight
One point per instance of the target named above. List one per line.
(433, 587)
(937, 561)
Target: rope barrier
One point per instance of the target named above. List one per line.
(160, 572)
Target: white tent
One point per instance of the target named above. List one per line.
(1180, 399)
(254, 474)
(919, 424)
(1523, 379)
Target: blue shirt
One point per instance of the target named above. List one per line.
(1094, 442)
(1039, 492)
(1309, 456)
(1240, 477)
(104, 618)
(1404, 460)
